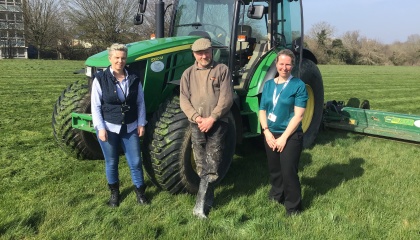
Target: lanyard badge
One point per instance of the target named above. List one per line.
(271, 116)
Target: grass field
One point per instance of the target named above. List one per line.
(354, 186)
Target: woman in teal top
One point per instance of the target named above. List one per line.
(282, 107)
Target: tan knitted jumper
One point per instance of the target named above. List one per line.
(206, 92)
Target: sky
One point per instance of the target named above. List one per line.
(386, 21)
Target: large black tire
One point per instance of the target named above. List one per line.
(167, 152)
(311, 75)
(79, 144)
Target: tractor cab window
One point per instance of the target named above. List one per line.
(252, 41)
(212, 19)
(289, 24)
(257, 27)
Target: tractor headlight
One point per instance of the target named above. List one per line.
(88, 71)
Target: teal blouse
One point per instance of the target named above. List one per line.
(294, 94)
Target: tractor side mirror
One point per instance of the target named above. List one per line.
(256, 11)
(138, 19)
(142, 5)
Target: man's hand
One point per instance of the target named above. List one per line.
(205, 124)
(198, 119)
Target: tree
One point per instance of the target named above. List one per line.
(41, 19)
(103, 22)
(323, 32)
(320, 53)
(352, 48)
(351, 41)
(338, 52)
(70, 48)
(413, 49)
(319, 39)
(372, 52)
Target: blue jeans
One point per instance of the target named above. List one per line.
(130, 143)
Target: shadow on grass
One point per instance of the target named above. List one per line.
(330, 177)
(30, 223)
(330, 136)
(150, 192)
(247, 173)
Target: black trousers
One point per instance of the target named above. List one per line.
(283, 172)
(208, 149)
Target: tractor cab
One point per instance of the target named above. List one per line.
(242, 32)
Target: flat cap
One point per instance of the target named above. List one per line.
(201, 44)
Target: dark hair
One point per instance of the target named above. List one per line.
(288, 53)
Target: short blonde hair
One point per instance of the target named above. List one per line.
(117, 47)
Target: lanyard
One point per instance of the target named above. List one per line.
(118, 82)
(276, 96)
(122, 90)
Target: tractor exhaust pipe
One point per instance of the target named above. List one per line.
(159, 19)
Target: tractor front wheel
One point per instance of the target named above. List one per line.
(78, 143)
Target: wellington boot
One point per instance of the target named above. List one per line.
(204, 200)
(209, 198)
(198, 210)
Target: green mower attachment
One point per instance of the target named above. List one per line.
(363, 120)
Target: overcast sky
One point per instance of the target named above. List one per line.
(383, 20)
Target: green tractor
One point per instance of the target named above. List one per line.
(246, 36)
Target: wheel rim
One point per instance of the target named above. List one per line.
(309, 111)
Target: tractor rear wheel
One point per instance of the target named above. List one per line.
(79, 144)
(167, 151)
(310, 74)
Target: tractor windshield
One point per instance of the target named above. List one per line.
(207, 18)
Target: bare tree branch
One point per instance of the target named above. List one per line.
(41, 22)
(102, 22)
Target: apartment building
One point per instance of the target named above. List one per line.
(12, 38)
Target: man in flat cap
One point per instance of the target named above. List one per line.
(206, 97)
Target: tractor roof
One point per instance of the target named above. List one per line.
(145, 49)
